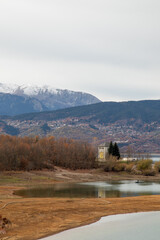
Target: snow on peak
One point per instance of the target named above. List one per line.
(30, 90)
(8, 88)
(35, 90)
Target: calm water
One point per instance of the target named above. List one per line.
(139, 226)
(93, 189)
(155, 158)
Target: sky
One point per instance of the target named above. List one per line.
(108, 48)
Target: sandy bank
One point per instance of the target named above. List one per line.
(143, 225)
(36, 218)
(39, 217)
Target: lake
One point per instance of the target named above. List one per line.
(125, 188)
(140, 226)
(154, 156)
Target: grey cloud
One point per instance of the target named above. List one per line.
(88, 35)
(86, 31)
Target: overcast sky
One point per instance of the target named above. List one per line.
(109, 48)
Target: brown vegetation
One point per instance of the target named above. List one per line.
(30, 153)
(157, 166)
(35, 218)
(142, 167)
(38, 217)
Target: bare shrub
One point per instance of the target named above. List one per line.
(119, 167)
(110, 163)
(129, 167)
(149, 172)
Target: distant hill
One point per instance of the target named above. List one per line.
(7, 129)
(13, 104)
(16, 99)
(107, 112)
(135, 126)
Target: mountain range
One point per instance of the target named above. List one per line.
(145, 111)
(15, 99)
(134, 124)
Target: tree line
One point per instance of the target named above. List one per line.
(114, 150)
(35, 153)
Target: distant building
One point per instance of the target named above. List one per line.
(102, 152)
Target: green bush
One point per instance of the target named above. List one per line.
(144, 164)
(157, 166)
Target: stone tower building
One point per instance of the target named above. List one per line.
(102, 152)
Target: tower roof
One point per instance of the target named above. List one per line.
(106, 144)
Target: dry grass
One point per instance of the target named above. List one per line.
(35, 218)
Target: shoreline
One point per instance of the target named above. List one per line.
(34, 219)
(102, 220)
(37, 218)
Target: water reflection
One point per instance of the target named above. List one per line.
(93, 190)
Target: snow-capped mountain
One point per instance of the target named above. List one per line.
(35, 98)
(30, 90)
